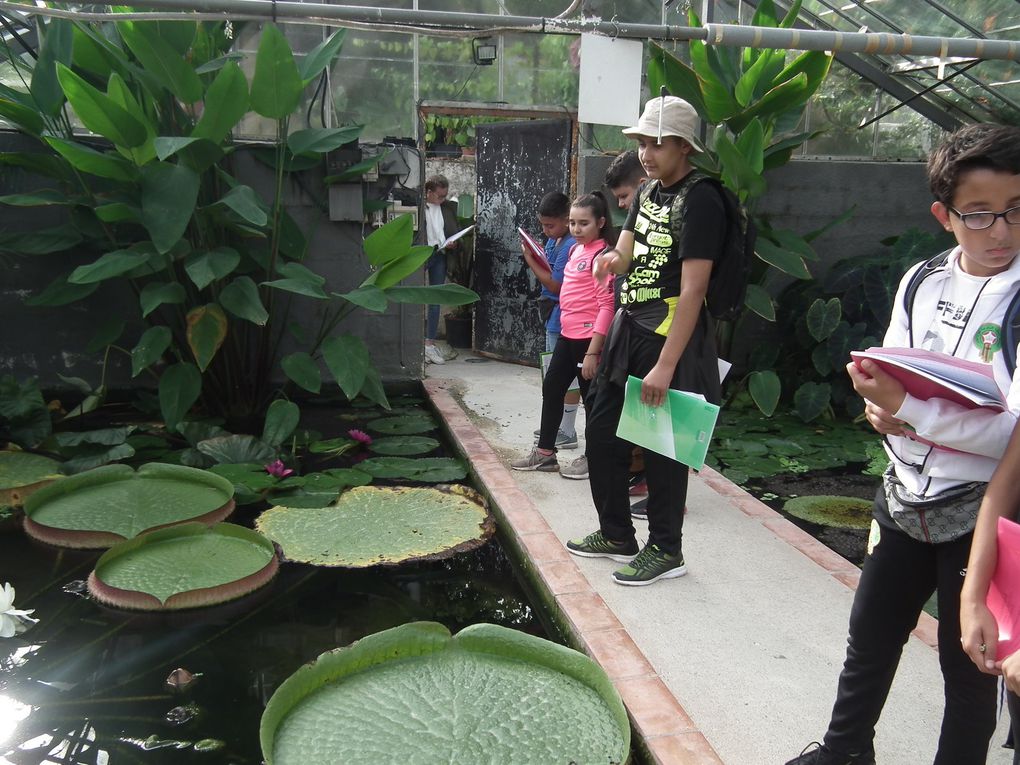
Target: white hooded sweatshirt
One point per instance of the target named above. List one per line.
(962, 315)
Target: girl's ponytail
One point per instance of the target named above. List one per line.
(597, 203)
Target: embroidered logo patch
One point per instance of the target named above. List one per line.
(988, 340)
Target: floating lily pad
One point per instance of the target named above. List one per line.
(371, 526)
(403, 425)
(404, 445)
(427, 469)
(825, 510)
(415, 694)
(184, 566)
(22, 474)
(104, 506)
(332, 446)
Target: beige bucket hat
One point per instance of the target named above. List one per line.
(676, 116)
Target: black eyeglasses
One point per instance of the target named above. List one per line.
(978, 221)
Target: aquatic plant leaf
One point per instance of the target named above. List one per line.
(811, 399)
(169, 194)
(837, 512)
(150, 348)
(348, 361)
(183, 566)
(403, 425)
(371, 526)
(208, 266)
(248, 474)
(281, 419)
(765, 388)
(22, 474)
(404, 445)
(241, 298)
(103, 506)
(179, 388)
(375, 699)
(335, 446)
(430, 469)
(237, 449)
(301, 368)
(207, 329)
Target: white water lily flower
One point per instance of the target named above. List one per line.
(12, 621)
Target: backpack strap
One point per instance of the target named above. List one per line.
(930, 266)
(1011, 332)
(676, 211)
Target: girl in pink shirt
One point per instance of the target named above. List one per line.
(586, 311)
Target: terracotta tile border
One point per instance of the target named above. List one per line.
(664, 732)
(842, 570)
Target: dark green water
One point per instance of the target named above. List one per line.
(88, 684)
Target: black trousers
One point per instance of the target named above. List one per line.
(563, 368)
(609, 457)
(899, 576)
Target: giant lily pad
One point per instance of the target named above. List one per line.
(22, 474)
(107, 505)
(415, 694)
(403, 445)
(183, 566)
(428, 469)
(372, 525)
(403, 425)
(838, 512)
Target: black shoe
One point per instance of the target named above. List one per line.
(819, 754)
(639, 509)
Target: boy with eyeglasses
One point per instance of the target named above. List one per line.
(942, 456)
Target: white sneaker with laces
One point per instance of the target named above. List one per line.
(433, 356)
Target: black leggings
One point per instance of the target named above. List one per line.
(565, 365)
(899, 575)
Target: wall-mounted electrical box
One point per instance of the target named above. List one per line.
(397, 209)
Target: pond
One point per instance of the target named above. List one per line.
(89, 684)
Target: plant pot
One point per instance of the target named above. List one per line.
(458, 331)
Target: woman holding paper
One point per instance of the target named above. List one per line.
(440, 223)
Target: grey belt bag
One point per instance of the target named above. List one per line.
(942, 518)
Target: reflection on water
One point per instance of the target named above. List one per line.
(90, 684)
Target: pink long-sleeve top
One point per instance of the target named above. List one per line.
(585, 307)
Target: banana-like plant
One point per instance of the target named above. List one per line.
(152, 194)
(755, 98)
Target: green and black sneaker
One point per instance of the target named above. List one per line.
(595, 545)
(650, 565)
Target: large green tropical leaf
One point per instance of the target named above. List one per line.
(169, 193)
(301, 368)
(150, 348)
(369, 297)
(119, 92)
(62, 292)
(786, 261)
(245, 202)
(348, 360)
(25, 117)
(389, 242)
(371, 526)
(298, 287)
(207, 329)
(100, 113)
(765, 388)
(400, 268)
(760, 301)
(490, 694)
(103, 506)
(436, 294)
(786, 97)
(811, 399)
(241, 298)
(823, 317)
(179, 388)
(281, 420)
(160, 61)
(229, 93)
(184, 566)
(322, 140)
(107, 266)
(206, 266)
(39, 163)
(55, 48)
(40, 198)
(155, 294)
(42, 242)
(91, 161)
(321, 56)
(277, 85)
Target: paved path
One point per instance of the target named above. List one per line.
(751, 641)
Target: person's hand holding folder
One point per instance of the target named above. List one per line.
(880, 388)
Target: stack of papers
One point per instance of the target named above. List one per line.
(454, 237)
(535, 249)
(679, 429)
(927, 374)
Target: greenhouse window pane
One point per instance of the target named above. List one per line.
(541, 70)
(447, 72)
(373, 83)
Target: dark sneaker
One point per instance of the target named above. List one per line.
(578, 469)
(639, 509)
(544, 463)
(650, 565)
(819, 754)
(638, 485)
(595, 545)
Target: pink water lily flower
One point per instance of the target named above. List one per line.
(278, 469)
(360, 436)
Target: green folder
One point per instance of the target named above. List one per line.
(680, 429)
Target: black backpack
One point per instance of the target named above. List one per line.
(1010, 320)
(728, 284)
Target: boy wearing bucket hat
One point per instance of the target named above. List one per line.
(662, 334)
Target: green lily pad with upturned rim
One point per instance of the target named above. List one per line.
(403, 445)
(183, 566)
(403, 425)
(415, 693)
(372, 526)
(834, 511)
(109, 504)
(22, 474)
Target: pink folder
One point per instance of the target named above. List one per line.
(1004, 590)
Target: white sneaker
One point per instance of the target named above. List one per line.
(433, 356)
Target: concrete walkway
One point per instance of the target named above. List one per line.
(750, 642)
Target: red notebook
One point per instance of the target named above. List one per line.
(536, 250)
(927, 374)
(1003, 597)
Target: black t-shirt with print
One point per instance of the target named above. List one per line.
(652, 284)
